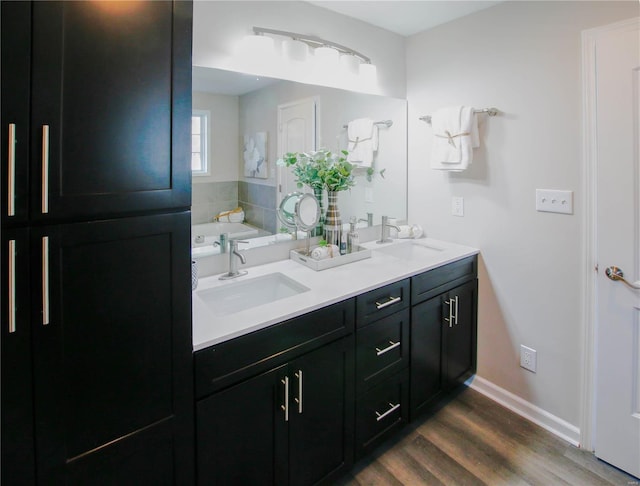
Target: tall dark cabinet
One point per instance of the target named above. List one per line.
(96, 302)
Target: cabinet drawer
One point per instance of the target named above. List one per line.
(382, 349)
(382, 302)
(226, 363)
(441, 279)
(381, 411)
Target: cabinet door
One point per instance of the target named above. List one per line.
(112, 351)
(18, 463)
(321, 414)
(426, 362)
(14, 137)
(242, 433)
(111, 107)
(459, 337)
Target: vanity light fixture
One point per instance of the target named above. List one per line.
(319, 55)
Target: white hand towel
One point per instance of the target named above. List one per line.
(455, 134)
(362, 136)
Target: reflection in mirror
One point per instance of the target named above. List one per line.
(245, 137)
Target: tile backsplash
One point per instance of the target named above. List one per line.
(211, 198)
(257, 200)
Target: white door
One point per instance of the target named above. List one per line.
(296, 133)
(617, 400)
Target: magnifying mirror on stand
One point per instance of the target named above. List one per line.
(299, 211)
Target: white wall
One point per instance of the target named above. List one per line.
(224, 137)
(219, 25)
(525, 59)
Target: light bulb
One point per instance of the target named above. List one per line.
(368, 75)
(295, 50)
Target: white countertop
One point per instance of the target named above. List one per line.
(326, 287)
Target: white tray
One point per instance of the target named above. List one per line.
(300, 257)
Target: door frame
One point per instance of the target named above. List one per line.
(315, 100)
(590, 244)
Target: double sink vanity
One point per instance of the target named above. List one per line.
(298, 373)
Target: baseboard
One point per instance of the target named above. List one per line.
(531, 412)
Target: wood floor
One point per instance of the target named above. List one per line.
(472, 440)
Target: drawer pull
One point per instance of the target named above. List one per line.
(45, 169)
(380, 416)
(12, 286)
(285, 407)
(298, 400)
(380, 352)
(391, 301)
(11, 169)
(45, 280)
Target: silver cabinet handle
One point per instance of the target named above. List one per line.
(455, 317)
(11, 176)
(450, 318)
(380, 416)
(380, 352)
(453, 311)
(45, 169)
(298, 375)
(45, 280)
(12, 286)
(391, 301)
(285, 407)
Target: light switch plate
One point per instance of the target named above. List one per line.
(552, 201)
(457, 206)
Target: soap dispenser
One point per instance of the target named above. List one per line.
(353, 238)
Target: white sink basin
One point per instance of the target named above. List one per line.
(244, 294)
(408, 250)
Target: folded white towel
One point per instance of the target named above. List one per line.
(455, 134)
(322, 252)
(362, 136)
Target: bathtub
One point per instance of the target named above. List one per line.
(205, 234)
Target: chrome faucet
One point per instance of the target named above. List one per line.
(233, 263)
(369, 220)
(222, 243)
(384, 230)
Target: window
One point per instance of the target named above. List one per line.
(199, 137)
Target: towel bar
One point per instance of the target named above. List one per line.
(386, 123)
(488, 111)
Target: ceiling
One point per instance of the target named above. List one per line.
(405, 17)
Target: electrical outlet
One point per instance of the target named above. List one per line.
(528, 358)
(457, 206)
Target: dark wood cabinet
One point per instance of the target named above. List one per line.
(97, 365)
(291, 424)
(443, 334)
(295, 403)
(111, 347)
(242, 436)
(18, 452)
(382, 359)
(95, 98)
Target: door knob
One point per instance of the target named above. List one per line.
(615, 273)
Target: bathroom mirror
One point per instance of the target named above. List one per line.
(244, 116)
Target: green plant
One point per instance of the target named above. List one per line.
(321, 169)
(372, 172)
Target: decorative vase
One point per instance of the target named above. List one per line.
(319, 231)
(333, 223)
